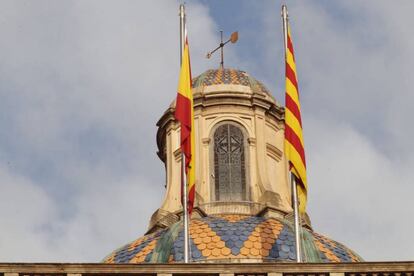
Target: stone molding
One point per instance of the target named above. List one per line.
(335, 269)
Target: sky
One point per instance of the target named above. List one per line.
(83, 83)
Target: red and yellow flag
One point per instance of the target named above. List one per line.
(294, 146)
(184, 113)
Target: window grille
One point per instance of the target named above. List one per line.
(42, 274)
(403, 273)
(250, 274)
(195, 274)
(229, 164)
(306, 274)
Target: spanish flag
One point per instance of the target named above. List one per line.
(184, 113)
(294, 145)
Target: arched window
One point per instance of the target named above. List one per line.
(229, 163)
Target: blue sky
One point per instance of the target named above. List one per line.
(82, 84)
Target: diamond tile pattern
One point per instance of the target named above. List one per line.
(230, 237)
(229, 76)
(138, 251)
(332, 251)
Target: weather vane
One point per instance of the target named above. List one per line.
(233, 39)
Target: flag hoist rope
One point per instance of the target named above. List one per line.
(183, 174)
(292, 176)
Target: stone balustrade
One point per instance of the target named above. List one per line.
(209, 269)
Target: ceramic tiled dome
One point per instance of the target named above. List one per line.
(231, 77)
(242, 193)
(226, 237)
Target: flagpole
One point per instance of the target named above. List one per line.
(182, 31)
(297, 218)
(292, 176)
(183, 173)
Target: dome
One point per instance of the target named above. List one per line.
(242, 197)
(232, 238)
(239, 80)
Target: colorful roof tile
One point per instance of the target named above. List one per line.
(232, 237)
(229, 76)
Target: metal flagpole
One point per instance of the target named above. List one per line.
(222, 51)
(297, 218)
(292, 176)
(182, 31)
(183, 174)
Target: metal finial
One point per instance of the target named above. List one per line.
(233, 39)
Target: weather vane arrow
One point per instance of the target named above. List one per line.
(233, 39)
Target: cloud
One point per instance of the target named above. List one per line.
(354, 60)
(107, 215)
(82, 86)
(357, 194)
(24, 213)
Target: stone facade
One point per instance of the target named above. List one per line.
(220, 97)
(242, 208)
(217, 269)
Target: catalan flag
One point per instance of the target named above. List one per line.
(184, 113)
(294, 145)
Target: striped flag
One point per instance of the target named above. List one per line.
(184, 113)
(294, 145)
